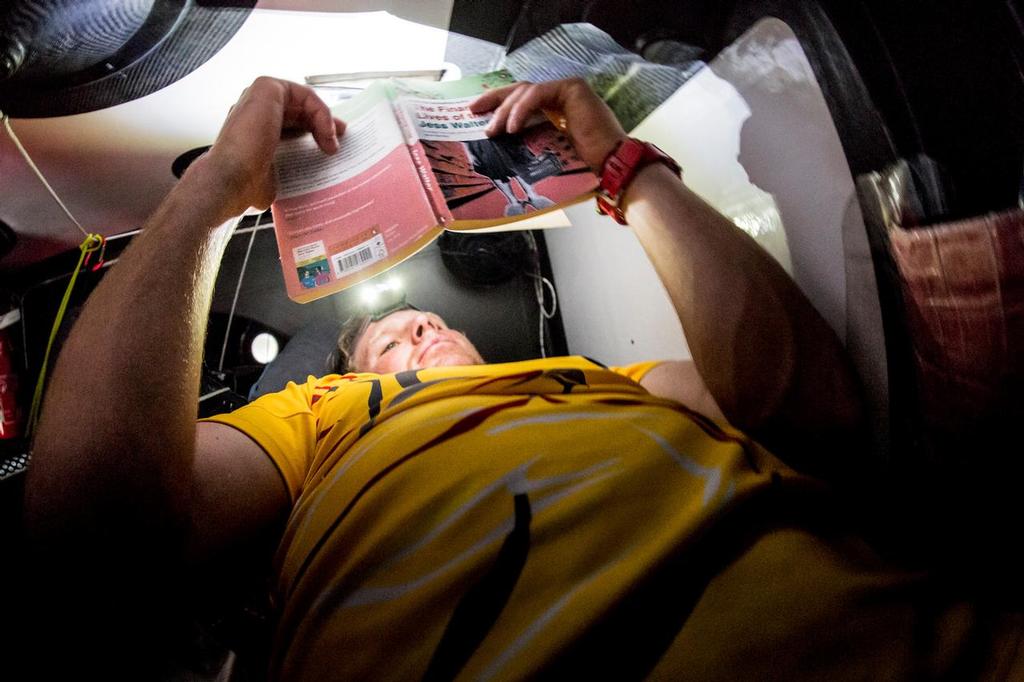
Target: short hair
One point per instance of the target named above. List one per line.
(345, 355)
(348, 337)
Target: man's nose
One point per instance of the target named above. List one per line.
(421, 325)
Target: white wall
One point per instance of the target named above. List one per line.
(756, 140)
(614, 307)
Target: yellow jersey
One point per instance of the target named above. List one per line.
(552, 517)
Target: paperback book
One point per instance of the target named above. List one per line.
(413, 162)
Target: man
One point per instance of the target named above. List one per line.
(445, 517)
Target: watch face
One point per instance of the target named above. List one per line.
(631, 151)
(620, 169)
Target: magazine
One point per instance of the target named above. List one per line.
(413, 162)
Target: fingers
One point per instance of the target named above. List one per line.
(304, 109)
(243, 152)
(534, 98)
(491, 99)
(281, 104)
(571, 106)
(499, 121)
(505, 104)
(514, 105)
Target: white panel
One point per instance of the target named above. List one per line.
(436, 13)
(613, 305)
(112, 167)
(756, 140)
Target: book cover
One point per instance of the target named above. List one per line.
(485, 180)
(413, 161)
(342, 218)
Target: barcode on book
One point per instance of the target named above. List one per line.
(359, 256)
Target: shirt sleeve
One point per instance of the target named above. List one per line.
(284, 425)
(636, 371)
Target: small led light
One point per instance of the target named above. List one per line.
(369, 294)
(264, 347)
(393, 283)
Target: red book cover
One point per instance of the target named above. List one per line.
(342, 218)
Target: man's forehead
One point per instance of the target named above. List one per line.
(398, 316)
(392, 320)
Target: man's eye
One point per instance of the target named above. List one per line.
(388, 347)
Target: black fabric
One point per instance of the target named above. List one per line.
(480, 606)
(174, 40)
(308, 352)
(501, 158)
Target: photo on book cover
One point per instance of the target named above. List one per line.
(490, 179)
(508, 175)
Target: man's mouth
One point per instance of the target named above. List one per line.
(434, 342)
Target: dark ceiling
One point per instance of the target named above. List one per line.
(941, 78)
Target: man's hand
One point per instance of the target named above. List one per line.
(239, 165)
(590, 124)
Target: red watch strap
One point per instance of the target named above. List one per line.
(619, 169)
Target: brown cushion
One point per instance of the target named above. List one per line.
(963, 288)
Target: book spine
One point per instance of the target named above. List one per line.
(430, 184)
(291, 278)
(426, 175)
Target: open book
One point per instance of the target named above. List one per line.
(412, 162)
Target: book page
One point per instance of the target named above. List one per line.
(344, 217)
(491, 181)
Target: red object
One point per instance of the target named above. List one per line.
(11, 415)
(963, 293)
(621, 167)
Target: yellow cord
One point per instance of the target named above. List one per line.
(91, 244)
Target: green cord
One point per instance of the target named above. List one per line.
(92, 243)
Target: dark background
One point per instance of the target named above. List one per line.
(903, 78)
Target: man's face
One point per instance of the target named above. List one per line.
(410, 339)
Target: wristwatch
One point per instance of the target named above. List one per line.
(619, 169)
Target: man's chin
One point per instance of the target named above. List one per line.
(448, 360)
(459, 361)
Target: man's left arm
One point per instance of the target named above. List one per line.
(761, 352)
(679, 380)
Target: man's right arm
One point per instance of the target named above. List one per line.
(122, 481)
